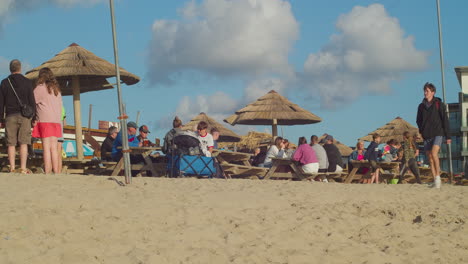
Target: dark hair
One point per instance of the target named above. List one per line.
(278, 141)
(214, 129)
(202, 125)
(391, 142)
(46, 77)
(429, 86)
(15, 66)
(375, 136)
(177, 122)
(302, 140)
(112, 130)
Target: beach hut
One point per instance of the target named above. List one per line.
(393, 130)
(272, 109)
(226, 135)
(79, 71)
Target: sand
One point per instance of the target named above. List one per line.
(91, 219)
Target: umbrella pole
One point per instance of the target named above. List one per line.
(77, 112)
(274, 128)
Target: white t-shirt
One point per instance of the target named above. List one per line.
(206, 142)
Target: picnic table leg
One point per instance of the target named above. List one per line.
(350, 177)
(118, 167)
(149, 164)
(296, 172)
(271, 171)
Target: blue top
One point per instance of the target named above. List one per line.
(132, 142)
(372, 152)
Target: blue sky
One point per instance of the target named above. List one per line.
(356, 64)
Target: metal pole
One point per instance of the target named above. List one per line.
(123, 121)
(441, 52)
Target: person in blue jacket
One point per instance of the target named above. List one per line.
(132, 142)
(372, 155)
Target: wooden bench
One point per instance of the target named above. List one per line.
(242, 171)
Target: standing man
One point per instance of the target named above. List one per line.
(434, 126)
(17, 127)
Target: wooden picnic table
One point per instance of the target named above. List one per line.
(393, 167)
(145, 153)
(232, 157)
(296, 172)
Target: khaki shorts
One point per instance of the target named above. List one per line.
(18, 130)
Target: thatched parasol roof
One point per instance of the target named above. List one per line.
(344, 150)
(269, 107)
(91, 70)
(255, 139)
(394, 129)
(226, 135)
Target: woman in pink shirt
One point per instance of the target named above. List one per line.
(305, 154)
(48, 117)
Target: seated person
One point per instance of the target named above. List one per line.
(143, 136)
(320, 153)
(206, 139)
(288, 149)
(335, 162)
(106, 147)
(276, 150)
(305, 154)
(169, 138)
(215, 134)
(132, 142)
(358, 155)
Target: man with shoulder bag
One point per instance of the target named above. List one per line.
(17, 108)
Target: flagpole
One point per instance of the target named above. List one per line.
(441, 53)
(123, 116)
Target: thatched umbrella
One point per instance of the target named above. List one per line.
(272, 109)
(344, 150)
(394, 130)
(226, 135)
(78, 71)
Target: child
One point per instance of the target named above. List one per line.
(408, 152)
(372, 155)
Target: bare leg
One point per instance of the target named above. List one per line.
(431, 163)
(54, 154)
(377, 176)
(23, 156)
(372, 178)
(11, 157)
(435, 158)
(47, 155)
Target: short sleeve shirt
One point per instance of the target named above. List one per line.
(205, 143)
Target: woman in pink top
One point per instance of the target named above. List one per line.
(48, 117)
(305, 154)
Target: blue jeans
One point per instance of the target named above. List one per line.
(428, 143)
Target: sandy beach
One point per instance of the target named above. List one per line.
(91, 219)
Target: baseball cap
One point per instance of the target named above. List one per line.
(144, 128)
(132, 124)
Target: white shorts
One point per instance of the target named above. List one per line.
(311, 168)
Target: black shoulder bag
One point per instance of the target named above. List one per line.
(26, 110)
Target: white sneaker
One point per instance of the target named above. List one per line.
(325, 180)
(437, 182)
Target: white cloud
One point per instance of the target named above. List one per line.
(260, 87)
(370, 51)
(224, 37)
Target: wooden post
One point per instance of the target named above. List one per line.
(77, 112)
(90, 117)
(274, 128)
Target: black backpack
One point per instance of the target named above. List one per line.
(187, 144)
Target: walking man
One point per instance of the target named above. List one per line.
(17, 127)
(434, 126)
